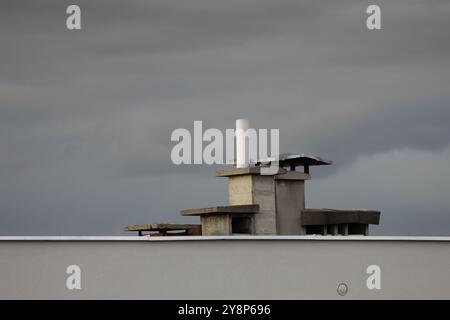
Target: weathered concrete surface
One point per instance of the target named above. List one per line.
(339, 216)
(281, 199)
(264, 195)
(230, 172)
(290, 200)
(293, 175)
(240, 190)
(161, 226)
(255, 189)
(294, 268)
(216, 225)
(235, 209)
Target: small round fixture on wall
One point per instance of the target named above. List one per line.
(342, 289)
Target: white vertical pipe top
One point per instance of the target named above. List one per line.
(242, 143)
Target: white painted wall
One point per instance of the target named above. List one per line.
(290, 267)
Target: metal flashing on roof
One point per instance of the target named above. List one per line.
(296, 160)
(230, 238)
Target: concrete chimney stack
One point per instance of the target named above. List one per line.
(262, 203)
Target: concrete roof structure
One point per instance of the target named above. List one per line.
(338, 216)
(234, 209)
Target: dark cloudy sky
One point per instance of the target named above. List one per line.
(86, 116)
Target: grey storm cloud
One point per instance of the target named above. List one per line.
(86, 116)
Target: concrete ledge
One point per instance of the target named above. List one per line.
(243, 171)
(161, 226)
(293, 175)
(237, 209)
(312, 217)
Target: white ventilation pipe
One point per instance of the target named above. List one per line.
(242, 143)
